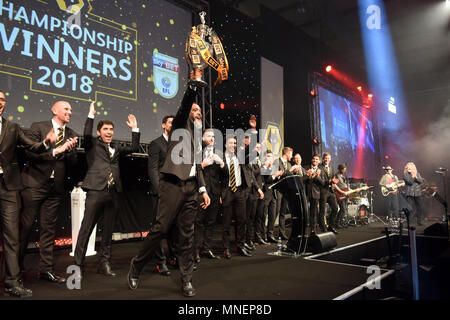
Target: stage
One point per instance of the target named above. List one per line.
(261, 277)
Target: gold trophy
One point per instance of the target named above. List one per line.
(203, 50)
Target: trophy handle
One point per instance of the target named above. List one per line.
(202, 17)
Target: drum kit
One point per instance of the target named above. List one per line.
(360, 206)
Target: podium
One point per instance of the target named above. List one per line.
(78, 200)
(293, 189)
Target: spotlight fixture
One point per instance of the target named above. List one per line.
(313, 93)
(328, 68)
(370, 96)
(359, 88)
(222, 105)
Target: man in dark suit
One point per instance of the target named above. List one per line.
(102, 182)
(314, 184)
(284, 165)
(237, 179)
(299, 170)
(44, 180)
(268, 202)
(179, 187)
(206, 218)
(327, 194)
(156, 157)
(255, 202)
(10, 184)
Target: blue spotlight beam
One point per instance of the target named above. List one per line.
(382, 69)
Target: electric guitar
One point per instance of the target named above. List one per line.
(390, 188)
(342, 196)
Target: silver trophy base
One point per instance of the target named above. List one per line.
(198, 83)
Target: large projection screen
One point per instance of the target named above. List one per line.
(126, 55)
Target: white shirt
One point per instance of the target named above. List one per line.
(111, 150)
(237, 168)
(166, 137)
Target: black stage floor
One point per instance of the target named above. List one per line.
(261, 277)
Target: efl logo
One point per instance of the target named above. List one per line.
(70, 6)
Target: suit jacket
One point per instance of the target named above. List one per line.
(326, 186)
(246, 176)
(182, 121)
(268, 180)
(99, 162)
(156, 156)
(39, 167)
(11, 136)
(258, 180)
(313, 186)
(284, 168)
(212, 175)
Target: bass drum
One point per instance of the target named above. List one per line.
(358, 214)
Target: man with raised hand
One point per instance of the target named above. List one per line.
(103, 184)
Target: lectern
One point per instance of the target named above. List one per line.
(293, 189)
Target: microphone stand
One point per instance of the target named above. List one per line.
(445, 218)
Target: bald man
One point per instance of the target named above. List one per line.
(44, 181)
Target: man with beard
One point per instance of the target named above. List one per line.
(179, 187)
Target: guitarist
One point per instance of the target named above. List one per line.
(342, 188)
(390, 181)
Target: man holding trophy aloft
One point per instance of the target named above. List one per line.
(182, 182)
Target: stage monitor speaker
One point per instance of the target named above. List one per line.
(436, 229)
(322, 242)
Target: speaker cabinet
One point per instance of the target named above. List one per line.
(322, 242)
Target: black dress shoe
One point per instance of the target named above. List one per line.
(244, 252)
(271, 239)
(19, 291)
(261, 241)
(133, 276)
(227, 254)
(196, 256)
(163, 270)
(105, 268)
(51, 277)
(331, 229)
(247, 247)
(209, 254)
(188, 289)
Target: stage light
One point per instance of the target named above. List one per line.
(328, 68)
(312, 92)
(370, 96)
(386, 157)
(316, 141)
(359, 88)
(222, 105)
